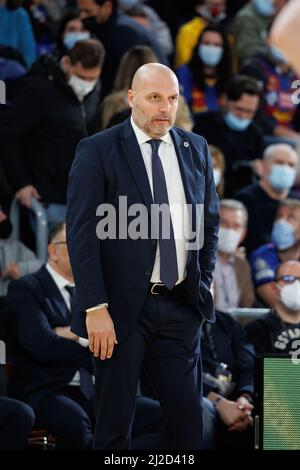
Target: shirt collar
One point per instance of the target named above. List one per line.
(59, 280)
(142, 137)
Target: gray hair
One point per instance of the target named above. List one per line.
(235, 205)
(271, 151)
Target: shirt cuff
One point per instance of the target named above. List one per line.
(83, 342)
(96, 307)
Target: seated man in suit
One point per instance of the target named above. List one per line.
(52, 369)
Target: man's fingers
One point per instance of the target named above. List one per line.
(96, 347)
(91, 343)
(110, 347)
(103, 351)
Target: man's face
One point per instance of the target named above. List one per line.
(59, 256)
(89, 75)
(154, 104)
(233, 219)
(245, 107)
(281, 157)
(292, 216)
(287, 274)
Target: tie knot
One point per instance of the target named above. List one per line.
(70, 290)
(155, 143)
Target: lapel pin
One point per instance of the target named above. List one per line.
(186, 144)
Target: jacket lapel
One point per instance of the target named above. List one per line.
(136, 164)
(53, 296)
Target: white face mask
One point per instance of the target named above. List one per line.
(290, 296)
(229, 240)
(81, 87)
(217, 176)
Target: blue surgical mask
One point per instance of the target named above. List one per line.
(210, 55)
(217, 176)
(70, 39)
(265, 7)
(236, 123)
(282, 177)
(283, 234)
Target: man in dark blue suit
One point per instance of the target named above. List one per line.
(143, 291)
(52, 370)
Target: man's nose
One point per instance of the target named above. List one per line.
(164, 106)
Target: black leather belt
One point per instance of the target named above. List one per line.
(156, 288)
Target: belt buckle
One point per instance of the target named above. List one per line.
(153, 287)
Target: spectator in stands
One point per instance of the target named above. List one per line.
(262, 199)
(115, 108)
(16, 30)
(204, 78)
(218, 168)
(232, 276)
(279, 116)
(16, 259)
(52, 366)
(71, 30)
(149, 18)
(228, 359)
(285, 246)
(276, 331)
(118, 33)
(56, 107)
(233, 131)
(16, 422)
(250, 26)
(206, 12)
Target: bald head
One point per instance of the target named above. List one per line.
(151, 73)
(290, 267)
(153, 98)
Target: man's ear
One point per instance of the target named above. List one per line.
(274, 287)
(52, 252)
(66, 63)
(130, 97)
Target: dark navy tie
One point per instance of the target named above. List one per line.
(167, 246)
(86, 381)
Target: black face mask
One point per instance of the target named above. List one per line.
(5, 229)
(91, 24)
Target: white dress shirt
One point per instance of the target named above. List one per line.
(176, 195)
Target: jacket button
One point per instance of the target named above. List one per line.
(147, 273)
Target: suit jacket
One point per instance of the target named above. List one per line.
(43, 361)
(118, 271)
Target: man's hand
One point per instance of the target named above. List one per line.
(229, 412)
(25, 195)
(65, 332)
(246, 420)
(101, 331)
(12, 271)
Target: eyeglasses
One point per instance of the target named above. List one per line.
(59, 243)
(288, 278)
